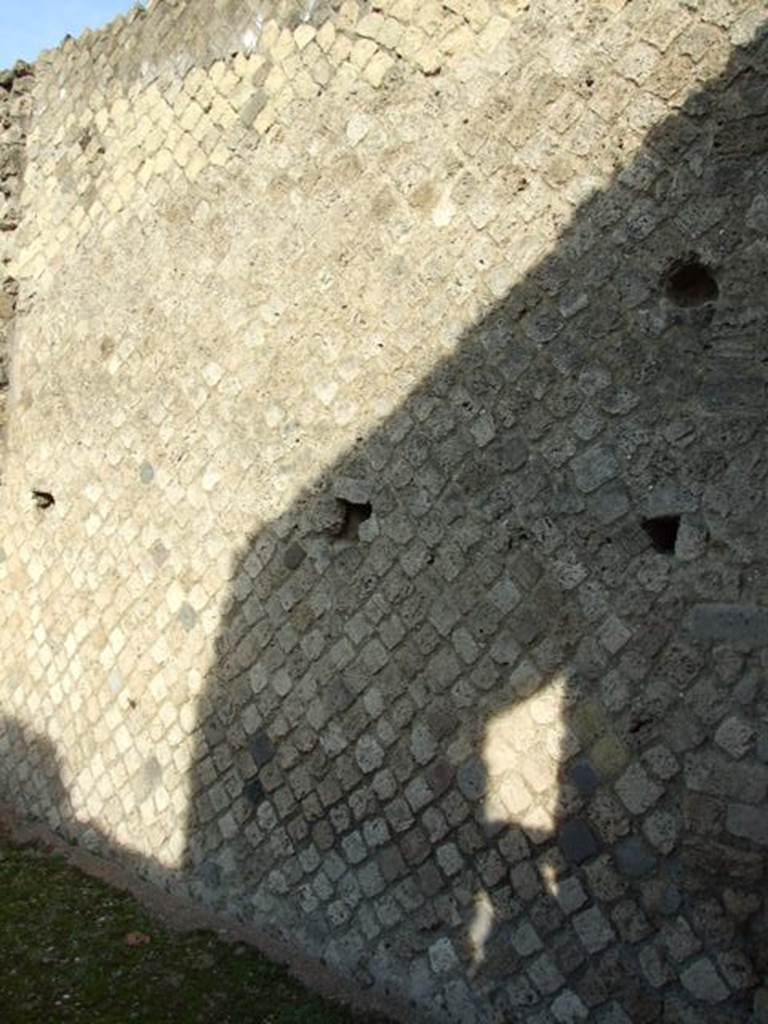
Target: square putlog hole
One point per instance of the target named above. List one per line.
(352, 515)
(663, 532)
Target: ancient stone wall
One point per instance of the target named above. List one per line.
(15, 106)
(384, 519)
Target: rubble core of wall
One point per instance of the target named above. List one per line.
(15, 109)
(396, 373)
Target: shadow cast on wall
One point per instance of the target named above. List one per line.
(484, 726)
(458, 723)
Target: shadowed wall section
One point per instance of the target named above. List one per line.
(405, 587)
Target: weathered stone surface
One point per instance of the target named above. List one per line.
(593, 930)
(748, 823)
(701, 980)
(735, 736)
(578, 841)
(594, 467)
(637, 790)
(356, 345)
(760, 1005)
(15, 108)
(634, 858)
(733, 623)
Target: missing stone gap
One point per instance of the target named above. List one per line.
(690, 283)
(354, 514)
(663, 532)
(43, 499)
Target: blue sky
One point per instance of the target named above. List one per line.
(29, 26)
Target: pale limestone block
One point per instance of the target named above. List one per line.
(163, 162)
(369, 25)
(348, 14)
(174, 136)
(183, 150)
(476, 12)
(304, 35)
(125, 187)
(200, 130)
(405, 10)
(217, 71)
(390, 34)
(344, 81)
(428, 59)
(283, 47)
(514, 798)
(362, 51)
(304, 85)
(326, 36)
(180, 104)
(293, 64)
(228, 82)
(144, 173)
(120, 108)
(460, 40)
(284, 99)
(269, 34)
(241, 65)
(358, 127)
(191, 116)
(220, 156)
(377, 69)
(494, 33)
(206, 94)
(411, 43)
(194, 80)
(222, 113)
(322, 72)
(241, 95)
(275, 81)
(153, 141)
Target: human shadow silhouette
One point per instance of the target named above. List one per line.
(30, 764)
(461, 739)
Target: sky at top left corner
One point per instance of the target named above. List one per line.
(29, 26)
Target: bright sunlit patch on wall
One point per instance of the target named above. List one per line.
(523, 752)
(524, 747)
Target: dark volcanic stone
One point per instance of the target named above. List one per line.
(634, 858)
(584, 777)
(261, 747)
(577, 841)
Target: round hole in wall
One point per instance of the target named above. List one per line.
(690, 283)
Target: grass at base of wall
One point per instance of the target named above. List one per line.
(74, 950)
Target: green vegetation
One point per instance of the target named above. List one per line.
(74, 950)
